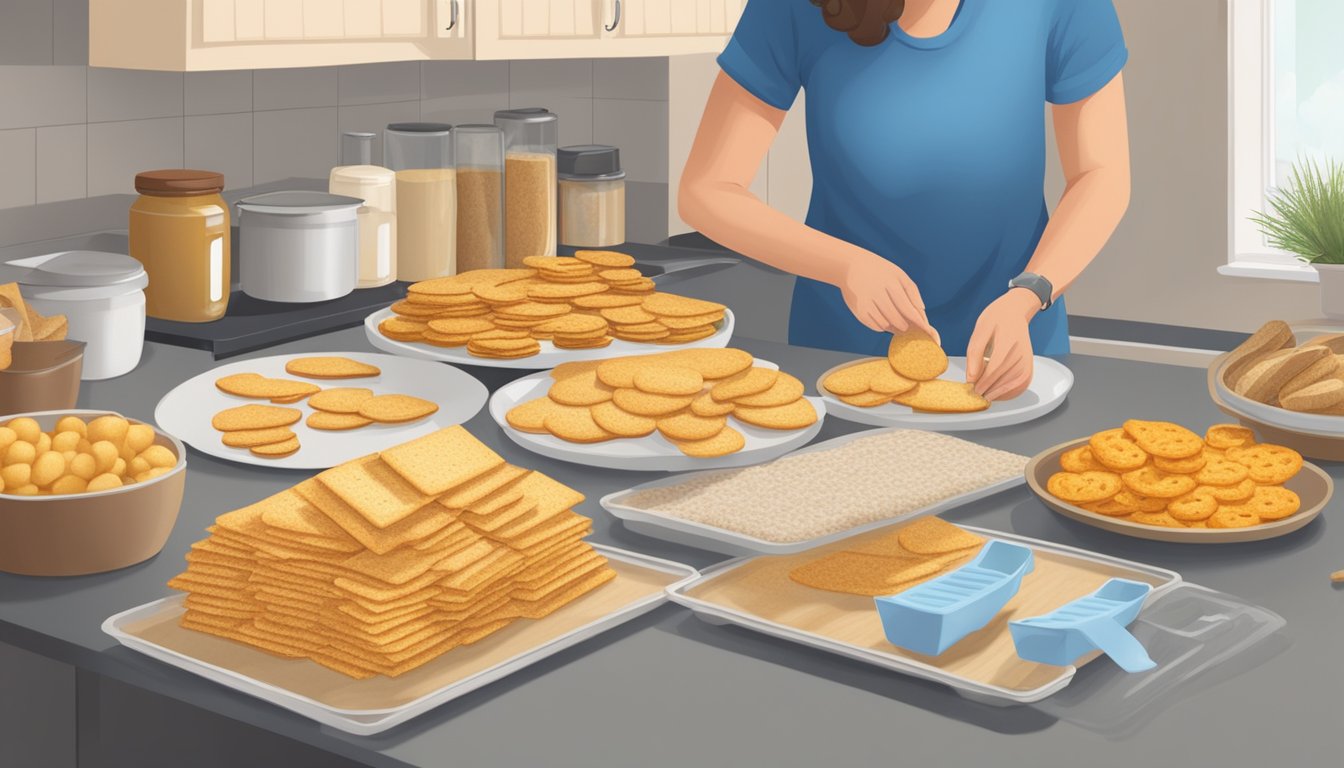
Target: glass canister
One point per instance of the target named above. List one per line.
(530, 137)
(376, 186)
(421, 155)
(179, 232)
(592, 196)
(479, 151)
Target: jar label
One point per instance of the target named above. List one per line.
(217, 269)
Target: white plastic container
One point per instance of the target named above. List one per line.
(356, 176)
(298, 247)
(102, 296)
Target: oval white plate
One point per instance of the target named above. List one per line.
(1322, 425)
(644, 454)
(1050, 385)
(186, 411)
(548, 358)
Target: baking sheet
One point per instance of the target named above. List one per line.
(549, 357)
(1050, 385)
(645, 454)
(186, 411)
(694, 534)
(378, 703)
(758, 594)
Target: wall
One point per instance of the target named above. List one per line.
(68, 131)
(1160, 266)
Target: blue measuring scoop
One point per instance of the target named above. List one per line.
(1095, 622)
(931, 617)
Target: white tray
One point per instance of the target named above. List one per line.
(548, 358)
(186, 411)
(1050, 385)
(692, 534)
(369, 721)
(988, 694)
(645, 454)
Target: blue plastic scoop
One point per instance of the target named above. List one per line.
(931, 617)
(1094, 622)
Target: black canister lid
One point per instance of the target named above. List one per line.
(527, 115)
(419, 127)
(589, 161)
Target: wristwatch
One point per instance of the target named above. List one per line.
(1038, 285)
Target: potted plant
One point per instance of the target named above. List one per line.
(1307, 220)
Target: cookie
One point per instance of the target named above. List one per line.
(1161, 519)
(257, 386)
(398, 329)
(456, 326)
(688, 426)
(940, 396)
(337, 421)
(620, 423)
(1271, 337)
(1273, 502)
(607, 301)
(1080, 460)
(531, 415)
(1197, 505)
(575, 425)
(1140, 503)
(565, 290)
(330, 368)
(1187, 466)
(796, 415)
(915, 355)
(1269, 464)
(605, 259)
(1231, 494)
(1314, 397)
(1109, 508)
(247, 438)
(752, 381)
(888, 382)
(396, 409)
(580, 390)
(1224, 436)
(1163, 438)
(1080, 487)
(1116, 451)
(688, 336)
(254, 417)
(725, 442)
(866, 399)
(854, 379)
(694, 322)
(785, 390)
(277, 450)
(1233, 516)
(713, 364)
(340, 399)
(679, 306)
(597, 343)
(627, 315)
(648, 404)
(704, 405)
(668, 380)
(1154, 482)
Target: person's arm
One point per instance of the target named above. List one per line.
(735, 134)
(1093, 141)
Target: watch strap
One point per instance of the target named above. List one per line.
(1038, 285)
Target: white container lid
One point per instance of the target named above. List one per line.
(298, 203)
(372, 183)
(116, 272)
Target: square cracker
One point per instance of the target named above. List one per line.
(419, 525)
(374, 490)
(441, 460)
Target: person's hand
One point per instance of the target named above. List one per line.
(1002, 329)
(883, 297)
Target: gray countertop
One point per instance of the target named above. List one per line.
(667, 689)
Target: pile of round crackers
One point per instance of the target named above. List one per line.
(686, 396)
(1162, 474)
(382, 564)
(1271, 368)
(891, 561)
(580, 302)
(265, 429)
(908, 376)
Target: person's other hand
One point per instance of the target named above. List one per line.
(883, 297)
(1002, 329)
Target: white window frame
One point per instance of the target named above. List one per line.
(1250, 140)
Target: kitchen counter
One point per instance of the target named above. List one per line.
(667, 689)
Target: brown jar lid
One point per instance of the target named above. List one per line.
(178, 183)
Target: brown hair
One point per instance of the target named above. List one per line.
(867, 22)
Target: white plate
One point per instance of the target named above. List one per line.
(186, 411)
(701, 536)
(644, 454)
(1321, 425)
(548, 358)
(371, 721)
(1050, 384)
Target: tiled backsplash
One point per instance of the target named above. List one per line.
(69, 131)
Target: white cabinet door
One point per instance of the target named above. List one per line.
(533, 29)
(669, 27)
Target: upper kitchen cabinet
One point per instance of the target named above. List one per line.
(544, 29)
(189, 35)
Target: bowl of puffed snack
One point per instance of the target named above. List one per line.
(1158, 480)
(85, 492)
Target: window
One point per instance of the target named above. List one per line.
(1285, 101)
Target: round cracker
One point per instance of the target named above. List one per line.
(330, 368)
(581, 390)
(1078, 487)
(254, 417)
(796, 415)
(396, 409)
(688, 426)
(668, 380)
(620, 423)
(725, 442)
(340, 399)
(605, 259)
(247, 438)
(337, 421)
(915, 355)
(575, 425)
(277, 450)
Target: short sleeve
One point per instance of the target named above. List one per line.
(1086, 50)
(762, 55)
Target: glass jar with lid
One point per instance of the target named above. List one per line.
(479, 152)
(421, 155)
(179, 232)
(356, 176)
(592, 196)
(530, 137)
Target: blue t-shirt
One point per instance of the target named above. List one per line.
(929, 152)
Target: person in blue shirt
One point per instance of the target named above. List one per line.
(926, 135)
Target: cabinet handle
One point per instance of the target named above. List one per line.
(452, 15)
(616, 21)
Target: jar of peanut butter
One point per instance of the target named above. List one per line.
(180, 233)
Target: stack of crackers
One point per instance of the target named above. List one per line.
(686, 396)
(893, 561)
(580, 302)
(1162, 474)
(908, 376)
(1271, 368)
(265, 429)
(31, 326)
(382, 564)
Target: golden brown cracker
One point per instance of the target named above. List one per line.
(1078, 487)
(690, 427)
(396, 409)
(247, 438)
(796, 415)
(620, 423)
(340, 399)
(252, 417)
(1150, 481)
(668, 380)
(330, 368)
(915, 355)
(725, 442)
(940, 396)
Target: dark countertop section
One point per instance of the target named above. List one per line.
(670, 690)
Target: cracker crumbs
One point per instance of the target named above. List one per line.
(808, 495)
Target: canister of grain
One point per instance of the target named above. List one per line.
(592, 196)
(530, 137)
(479, 153)
(421, 154)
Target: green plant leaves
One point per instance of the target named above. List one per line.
(1307, 218)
